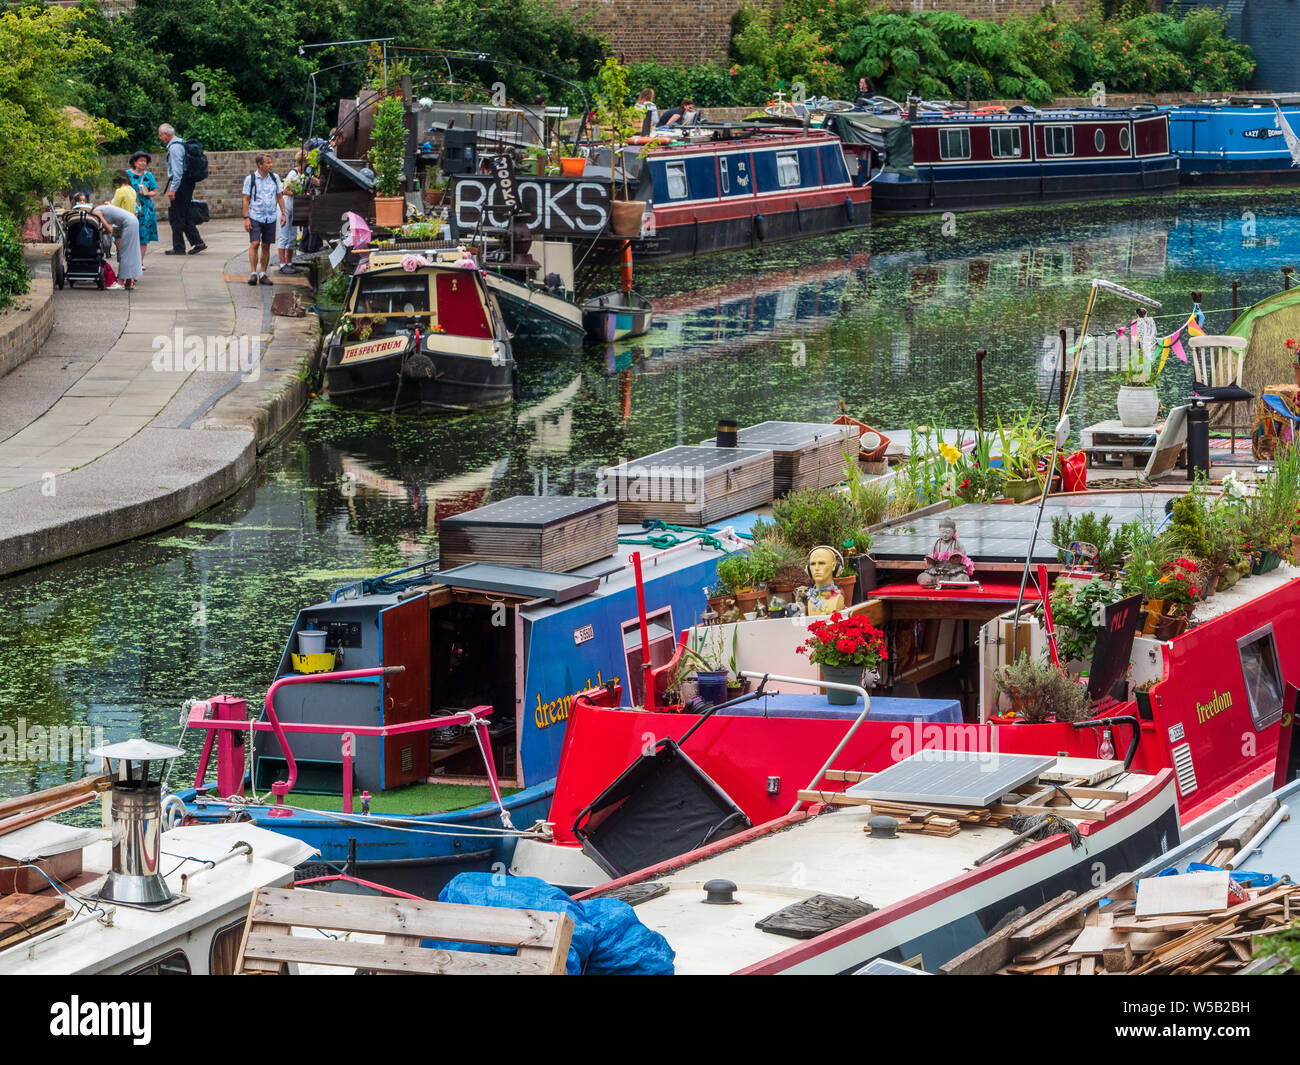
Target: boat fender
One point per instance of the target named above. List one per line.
(417, 365)
(848, 209)
(760, 227)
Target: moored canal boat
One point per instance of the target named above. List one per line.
(960, 161)
(1238, 141)
(420, 332)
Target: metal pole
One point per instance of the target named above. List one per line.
(1286, 276)
(979, 387)
(1061, 380)
(1234, 299)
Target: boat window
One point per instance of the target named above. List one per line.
(1123, 139)
(392, 294)
(954, 143)
(723, 175)
(676, 180)
(1059, 140)
(1099, 139)
(173, 964)
(1263, 675)
(787, 169)
(1006, 143)
(659, 626)
(223, 955)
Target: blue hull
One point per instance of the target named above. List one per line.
(414, 861)
(1232, 145)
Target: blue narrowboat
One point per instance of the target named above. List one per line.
(748, 186)
(962, 161)
(1235, 142)
(498, 650)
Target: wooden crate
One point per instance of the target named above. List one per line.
(691, 485)
(805, 454)
(556, 533)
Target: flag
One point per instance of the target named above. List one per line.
(1292, 141)
(1193, 330)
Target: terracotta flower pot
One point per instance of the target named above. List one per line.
(389, 210)
(747, 600)
(1295, 550)
(846, 584)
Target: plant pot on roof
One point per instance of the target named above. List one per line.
(847, 649)
(388, 157)
(1138, 403)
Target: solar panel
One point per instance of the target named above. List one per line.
(953, 778)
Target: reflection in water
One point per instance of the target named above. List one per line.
(888, 324)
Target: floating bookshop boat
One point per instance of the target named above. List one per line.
(147, 897)
(421, 332)
(1238, 141)
(954, 161)
(746, 186)
(416, 719)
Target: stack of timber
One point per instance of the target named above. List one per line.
(1189, 924)
(805, 454)
(556, 533)
(25, 916)
(691, 485)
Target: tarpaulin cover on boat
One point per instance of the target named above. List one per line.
(888, 137)
(608, 938)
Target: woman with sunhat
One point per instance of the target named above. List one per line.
(146, 188)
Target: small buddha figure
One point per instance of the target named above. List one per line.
(824, 564)
(947, 560)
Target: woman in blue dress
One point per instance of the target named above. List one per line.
(146, 188)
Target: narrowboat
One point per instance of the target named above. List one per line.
(1235, 142)
(963, 161)
(422, 333)
(747, 186)
(535, 289)
(416, 720)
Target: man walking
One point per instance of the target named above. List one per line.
(180, 192)
(262, 196)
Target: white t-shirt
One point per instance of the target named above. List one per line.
(261, 193)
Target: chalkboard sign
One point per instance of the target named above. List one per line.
(1110, 658)
(558, 206)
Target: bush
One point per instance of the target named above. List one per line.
(1040, 692)
(14, 278)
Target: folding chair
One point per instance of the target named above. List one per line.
(1217, 363)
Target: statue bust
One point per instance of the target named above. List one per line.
(823, 565)
(947, 560)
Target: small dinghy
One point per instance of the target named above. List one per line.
(617, 316)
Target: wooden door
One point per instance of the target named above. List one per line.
(405, 635)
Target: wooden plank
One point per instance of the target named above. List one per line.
(850, 776)
(1044, 924)
(11, 935)
(1189, 893)
(1117, 959)
(1249, 823)
(1038, 966)
(1084, 771)
(428, 920)
(1158, 924)
(42, 798)
(1088, 966)
(1071, 812)
(382, 957)
(993, 952)
(1053, 943)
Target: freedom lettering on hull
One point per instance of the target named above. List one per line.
(550, 206)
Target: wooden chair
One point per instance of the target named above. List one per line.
(1217, 362)
(541, 938)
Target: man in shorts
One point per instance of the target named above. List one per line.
(262, 200)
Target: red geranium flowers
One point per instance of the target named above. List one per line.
(845, 641)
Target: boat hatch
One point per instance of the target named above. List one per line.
(518, 581)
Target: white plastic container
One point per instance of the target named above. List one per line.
(311, 642)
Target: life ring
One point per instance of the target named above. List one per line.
(639, 139)
(992, 110)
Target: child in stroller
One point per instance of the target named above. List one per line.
(87, 244)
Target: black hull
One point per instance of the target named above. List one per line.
(924, 197)
(459, 384)
(1237, 179)
(732, 234)
(534, 330)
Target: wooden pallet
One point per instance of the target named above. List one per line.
(541, 939)
(1114, 444)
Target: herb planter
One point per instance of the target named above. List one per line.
(1020, 489)
(747, 600)
(842, 675)
(1138, 405)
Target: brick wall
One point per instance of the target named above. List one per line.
(25, 326)
(222, 191)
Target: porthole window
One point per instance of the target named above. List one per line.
(1099, 139)
(1123, 139)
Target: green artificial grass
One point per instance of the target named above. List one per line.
(406, 802)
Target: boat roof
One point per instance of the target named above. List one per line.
(96, 947)
(434, 259)
(1024, 113)
(834, 855)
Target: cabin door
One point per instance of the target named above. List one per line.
(404, 630)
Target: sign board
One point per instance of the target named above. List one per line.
(374, 349)
(1110, 657)
(551, 206)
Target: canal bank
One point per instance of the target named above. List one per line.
(143, 408)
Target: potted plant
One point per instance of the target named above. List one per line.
(1024, 446)
(1180, 591)
(1040, 693)
(737, 572)
(388, 157)
(705, 657)
(845, 648)
(617, 115)
(1075, 609)
(1138, 403)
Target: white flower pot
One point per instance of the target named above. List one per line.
(1138, 405)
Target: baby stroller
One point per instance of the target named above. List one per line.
(86, 248)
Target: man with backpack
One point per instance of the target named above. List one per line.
(262, 196)
(186, 167)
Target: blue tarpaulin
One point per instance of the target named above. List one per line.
(608, 938)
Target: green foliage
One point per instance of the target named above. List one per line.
(811, 517)
(42, 150)
(870, 498)
(1038, 692)
(736, 573)
(1074, 606)
(225, 123)
(334, 291)
(1112, 545)
(389, 152)
(1267, 516)
(1147, 553)
(14, 278)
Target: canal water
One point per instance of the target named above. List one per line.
(886, 324)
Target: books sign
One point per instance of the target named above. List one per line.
(557, 206)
